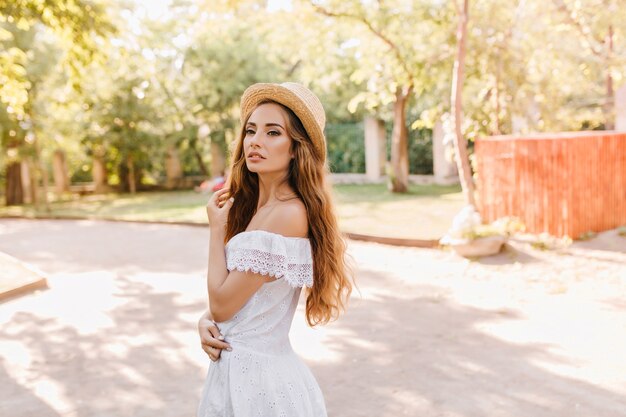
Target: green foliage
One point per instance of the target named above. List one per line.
(545, 241)
(177, 77)
(588, 235)
(122, 126)
(505, 226)
(214, 96)
(420, 149)
(391, 56)
(76, 23)
(346, 147)
(420, 152)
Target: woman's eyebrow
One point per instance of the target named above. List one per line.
(266, 124)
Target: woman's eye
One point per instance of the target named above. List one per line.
(249, 132)
(273, 133)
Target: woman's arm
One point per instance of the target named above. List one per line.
(228, 292)
(226, 296)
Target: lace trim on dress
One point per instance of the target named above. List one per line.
(268, 253)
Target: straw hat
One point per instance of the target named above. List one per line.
(296, 97)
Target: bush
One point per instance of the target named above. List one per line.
(420, 150)
(346, 148)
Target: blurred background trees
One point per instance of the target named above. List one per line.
(131, 95)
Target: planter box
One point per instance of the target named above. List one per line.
(483, 246)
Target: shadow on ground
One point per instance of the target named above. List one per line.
(399, 350)
(424, 356)
(134, 367)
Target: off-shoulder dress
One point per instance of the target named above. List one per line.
(262, 376)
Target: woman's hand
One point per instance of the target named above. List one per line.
(217, 208)
(210, 337)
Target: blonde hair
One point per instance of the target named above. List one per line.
(308, 177)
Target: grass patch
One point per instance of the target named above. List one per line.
(425, 212)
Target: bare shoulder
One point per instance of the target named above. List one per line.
(288, 219)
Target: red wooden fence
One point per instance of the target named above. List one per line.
(563, 184)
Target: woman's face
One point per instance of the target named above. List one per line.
(266, 146)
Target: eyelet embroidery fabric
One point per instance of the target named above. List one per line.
(268, 253)
(262, 375)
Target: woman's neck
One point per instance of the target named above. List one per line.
(273, 191)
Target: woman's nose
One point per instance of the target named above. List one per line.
(256, 138)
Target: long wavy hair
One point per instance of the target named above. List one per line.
(308, 177)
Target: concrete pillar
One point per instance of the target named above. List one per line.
(375, 149)
(444, 166)
(620, 109)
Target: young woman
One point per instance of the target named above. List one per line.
(273, 232)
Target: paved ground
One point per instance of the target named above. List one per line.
(527, 333)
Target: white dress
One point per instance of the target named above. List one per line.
(262, 376)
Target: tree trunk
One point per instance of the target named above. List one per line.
(460, 144)
(399, 175)
(59, 166)
(609, 116)
(173, 169)
(42, 171)
(45, 181)
(14, 193)
(99, 173)
(33, 182)
(496, 130)
(193, 144)
(218, 161)
(27, 183)
(132, 185)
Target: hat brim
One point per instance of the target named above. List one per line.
(258, 93)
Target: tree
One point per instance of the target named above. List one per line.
(460, 143)
(396, 67)
(77, 25)
(595, 24)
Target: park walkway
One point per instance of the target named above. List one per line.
(526, 333)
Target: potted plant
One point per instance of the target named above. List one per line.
(470, 238)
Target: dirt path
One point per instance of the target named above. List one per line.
(526, 333)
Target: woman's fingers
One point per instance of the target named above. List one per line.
(219, 197)
(211, 336)
(214, 330)
(216, 195)
(211, 339)
(214, 354)
(222, 199)
(214, 342)
(221, 193)
(213, 346)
